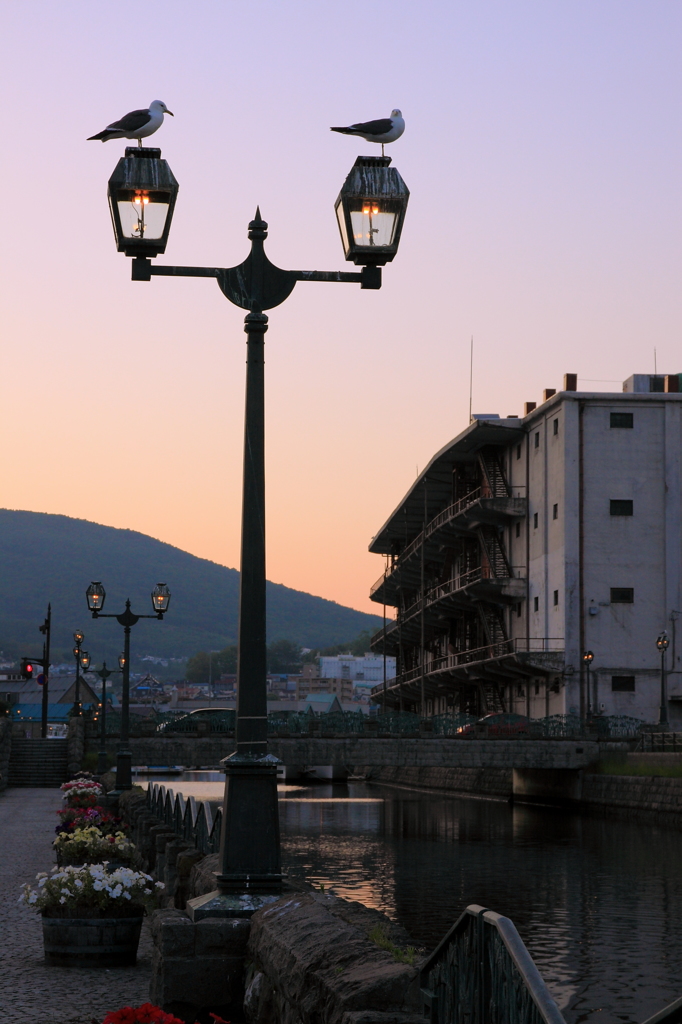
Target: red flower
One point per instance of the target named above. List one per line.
(218, 1020)
(127, 1015)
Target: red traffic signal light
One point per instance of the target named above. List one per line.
(27, 668)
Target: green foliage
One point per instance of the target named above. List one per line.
(284, 656)
(621, 766)
(202, 667)
(357, 647)
(379, 936)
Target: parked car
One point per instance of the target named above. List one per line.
(500, 723)
(188, 722)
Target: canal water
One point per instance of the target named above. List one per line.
(598, 901)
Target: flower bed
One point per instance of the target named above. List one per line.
(69, 890)
(72, 818)
(149, 1014)
(91, 917)
(82, 792)
(89, 846)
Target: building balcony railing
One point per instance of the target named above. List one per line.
(513, 506)
(455, 585)
(490, 652)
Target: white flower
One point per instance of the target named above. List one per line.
(41, 883)
(159, 885)
(98, 886)
(33, 897)
(147, 892)
(127, 895)
(66, 892)
(63, 899)
(42, 874)
(78, 883)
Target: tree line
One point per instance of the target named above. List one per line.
(284, 656)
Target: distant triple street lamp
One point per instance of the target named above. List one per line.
(96, 596)
(81, 657)
(370, 211)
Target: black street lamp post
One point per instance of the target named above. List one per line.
(588, 658)
(370, 212)
(662, 646)
(96, 595)
(82, 662)
(104, 673)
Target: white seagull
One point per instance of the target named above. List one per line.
(138, 124)
(383, 130)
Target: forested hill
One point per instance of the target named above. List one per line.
(53, 558)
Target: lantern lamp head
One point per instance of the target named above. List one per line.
(370, 210)
(662, 642)
(85, 660)
(142, 193)
(79, 637)
(161, 596)
(121, 661)
(96, 595)
(588, 658)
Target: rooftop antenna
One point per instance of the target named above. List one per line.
(471, 374)
(655, 367)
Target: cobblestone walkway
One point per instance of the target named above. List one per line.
(31, 992)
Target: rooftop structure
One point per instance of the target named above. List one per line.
(529, 540)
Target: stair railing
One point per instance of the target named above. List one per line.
(482, 973)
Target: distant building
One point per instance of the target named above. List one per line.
(546, 536)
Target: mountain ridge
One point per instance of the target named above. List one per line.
(49, 557)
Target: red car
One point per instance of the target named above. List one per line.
(500, 723)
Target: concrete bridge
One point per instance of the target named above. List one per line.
(360, 751)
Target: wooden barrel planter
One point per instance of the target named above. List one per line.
(95, 939)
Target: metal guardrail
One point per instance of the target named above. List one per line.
(653, 742)
(482, 973)
(194, 822)
(518, 645)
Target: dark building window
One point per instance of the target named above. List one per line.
(622, 595)
(535, 520)
(623, 684)
(518, 529)
(536, 604)
(657, 384)
(556, 427)
(555, 511)
(518, 609)
(518, 451)
(537, 439)
(556, 598)
(621, 419)
(620, 507)
(537, 688)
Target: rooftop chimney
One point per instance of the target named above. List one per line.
(528, 407)
(570, 382)
(547, 393)
(672, 382)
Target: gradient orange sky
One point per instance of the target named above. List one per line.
(542, 151)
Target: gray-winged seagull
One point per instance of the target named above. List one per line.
(138, 124)
(383, 130)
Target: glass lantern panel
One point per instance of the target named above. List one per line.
(373, 224)
(341, 217)
(143, 214)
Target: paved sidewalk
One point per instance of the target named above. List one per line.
(31, 992)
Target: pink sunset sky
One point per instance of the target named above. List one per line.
(542, 151)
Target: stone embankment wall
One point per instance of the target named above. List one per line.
(483, 782)
(385, 752)
(652, 796)
(5, 750)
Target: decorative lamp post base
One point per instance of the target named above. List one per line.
(124, 770)
(250, 873)
(102, 762)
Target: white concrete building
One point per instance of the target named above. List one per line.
(546, 536)
(362, 668)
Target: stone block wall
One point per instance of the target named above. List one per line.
(5, 750)
(75, 744)
(488, 782)
(312, 959)
(656, 797)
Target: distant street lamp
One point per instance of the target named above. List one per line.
(96, 596)
(81, 657)
(588, 658)
(104, 673)
(662, 646)
(370, 211)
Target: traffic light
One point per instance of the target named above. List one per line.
(27, 668)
